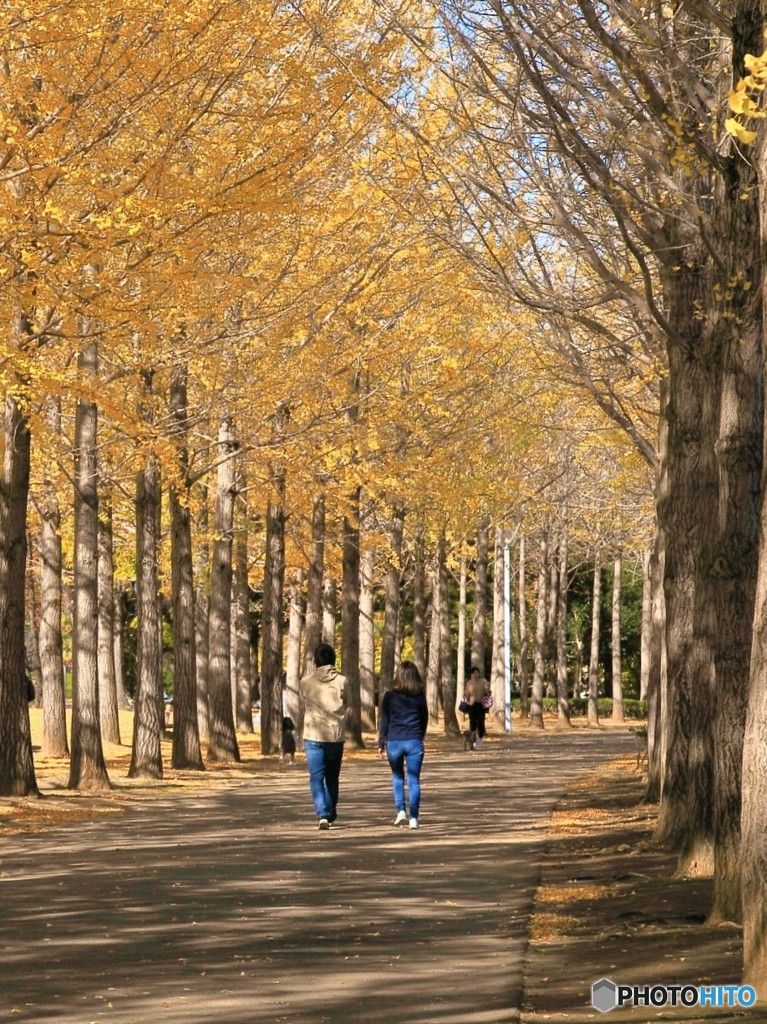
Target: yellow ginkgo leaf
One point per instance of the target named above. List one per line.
(742, 134)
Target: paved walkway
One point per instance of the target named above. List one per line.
(229, 905)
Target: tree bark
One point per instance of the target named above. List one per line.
(271, 658)
(498, 671)
(657, 690)
(737, 333)
(460, 675)
(419, 604)
(391, 600)
(684, 821)
(536, 701)
(202, 572)
(645, 653)
(108, 705)
(314, 588)
(596, 604)
(367, 635)
(433, 666)
(524, 663)
(273, 612)
(32, 632)
(186, 751)
(447, 683)
(149, 713)
(242, 681)
(617, 667)
(55, 740)
(550, 644)
(329, 611)
(563, 706)
(478, 641)
(293, 654)
(87, 766)
(222, 741)
(350, 620)
(118, 645)
(17, 770)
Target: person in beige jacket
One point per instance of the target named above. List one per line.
(477, 689)
(323, 695)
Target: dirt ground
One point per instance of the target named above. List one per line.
(608, 906)
(569, 889)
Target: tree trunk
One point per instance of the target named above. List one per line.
(479, 621)
(563, 706)
(186, 751)
(646, 653)
(273, 613)
(447, 684)
(617, 714)
(17, 770)
(536, 701)
(87, 766)
(656, 682)
(596, 604)
(202, 572)
(222, 741)
(108, 705)
(737, 334)
(242, 682)
(55, 741)
(329, 611)
(497, 673)
(460, 675)
(419, 605)
(367, 639)
(149, 714)
(314, 589)
(271, 658)
(118, 646)
(433, 667)
(657, 685)
(524, 664)
(293, 654)
(684, 821)
(32, 632)
(391, 601)
(550, 645)
(740, 860)
(350, 620)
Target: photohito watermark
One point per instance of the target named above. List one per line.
(607, 995)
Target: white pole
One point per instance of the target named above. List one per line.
(507, 634)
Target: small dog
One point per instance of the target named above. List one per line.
(469, 740)
(640, 735)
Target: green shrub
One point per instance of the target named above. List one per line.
(636, 710)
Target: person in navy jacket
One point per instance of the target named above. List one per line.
(402, 727)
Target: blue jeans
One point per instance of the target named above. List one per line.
(406, 755)
(324, 761)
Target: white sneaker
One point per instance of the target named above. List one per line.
(414, 822)
(401, 818)
(323, 824)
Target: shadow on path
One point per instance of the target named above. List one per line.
(231, 907)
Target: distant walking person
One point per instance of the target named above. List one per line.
(479, 700)
(323, 695)
(404, 718)
(288, 741)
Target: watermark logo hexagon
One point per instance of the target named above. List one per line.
(604, 995)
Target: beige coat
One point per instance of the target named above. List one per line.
(476, 688)
(324, 699)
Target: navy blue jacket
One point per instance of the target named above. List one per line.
(402, 717)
